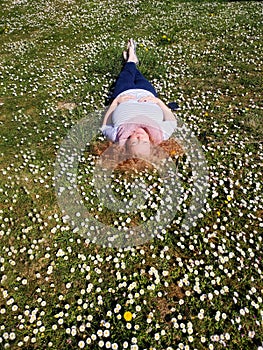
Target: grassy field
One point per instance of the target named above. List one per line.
(197, 288)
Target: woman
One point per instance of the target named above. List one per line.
(137, 120)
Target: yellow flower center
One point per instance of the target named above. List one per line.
(127, 316)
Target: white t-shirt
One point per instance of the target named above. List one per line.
(130, 109)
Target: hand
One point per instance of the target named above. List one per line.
(124, 98)
(167, 113)
(149, 98)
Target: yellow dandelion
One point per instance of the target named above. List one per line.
(127, 316)
(218, 213)
(164, 36)
(229, 198)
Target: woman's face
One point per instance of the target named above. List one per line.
(138, 142)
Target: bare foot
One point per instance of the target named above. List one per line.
(131, 48)
(125, 55)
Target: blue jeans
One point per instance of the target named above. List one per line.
(131, 78)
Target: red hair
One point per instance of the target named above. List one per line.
(113, 154)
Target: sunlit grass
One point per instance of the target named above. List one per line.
(184, 289)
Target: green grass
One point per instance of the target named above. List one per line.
(187, 289)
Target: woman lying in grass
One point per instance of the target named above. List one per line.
(137, 120)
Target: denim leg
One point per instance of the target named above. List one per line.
(142, 83)
(131, 78)
(126, 79)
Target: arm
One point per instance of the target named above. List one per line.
(107, 117)
(167, 113)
